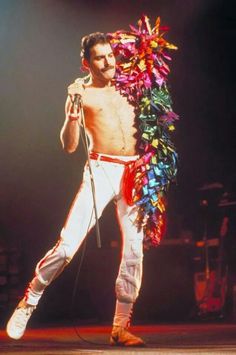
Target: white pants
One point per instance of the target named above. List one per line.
(108, 185)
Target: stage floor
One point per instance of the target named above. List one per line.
(185, 338)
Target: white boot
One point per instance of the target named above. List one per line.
(19, 319)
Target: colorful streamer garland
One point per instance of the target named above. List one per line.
(141, 76)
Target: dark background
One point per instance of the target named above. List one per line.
(40, 45)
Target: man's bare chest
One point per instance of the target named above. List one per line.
(111, 103)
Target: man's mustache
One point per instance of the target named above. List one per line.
(108, 68)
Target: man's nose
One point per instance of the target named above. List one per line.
(107, 61)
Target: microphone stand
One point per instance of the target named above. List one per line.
(98, 236)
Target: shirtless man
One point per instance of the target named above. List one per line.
(109, 121)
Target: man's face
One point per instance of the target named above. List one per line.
(102, 62)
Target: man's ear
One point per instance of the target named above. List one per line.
(85, 64)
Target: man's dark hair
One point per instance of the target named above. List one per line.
(91, 40)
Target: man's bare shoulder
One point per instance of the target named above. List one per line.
(77, 82)
(77, 87)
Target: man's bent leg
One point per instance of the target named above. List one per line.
(80, 220)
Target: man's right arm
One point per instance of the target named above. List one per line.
(70, 131)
